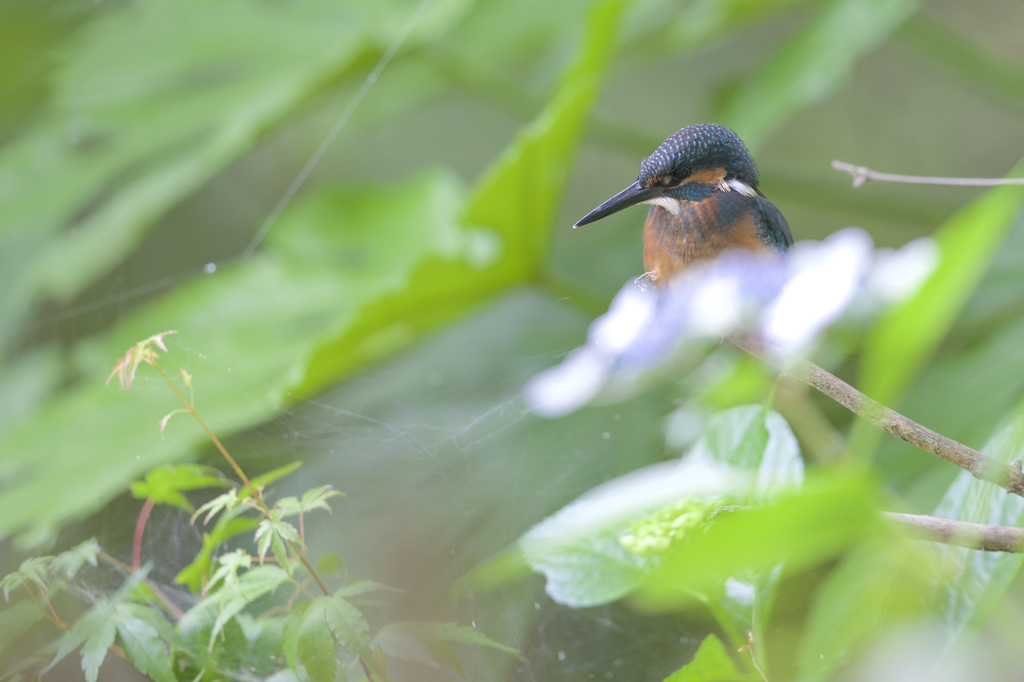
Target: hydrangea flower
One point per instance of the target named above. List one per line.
(787, 302)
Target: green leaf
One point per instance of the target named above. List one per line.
(711, 663)
(280, 552)
(266, 479)
(589, 571)
(803, 527)
(290, 646)
(144, 643)
(316, 643)
(754, 439)
(15, 621)
(878, 586)
(34, 570)
(346, 277)
(271, 534)
(67, 564)
(519, 194)
(230, 600)
(99, 638)
(964, 599)
(809, 65)
(164, 484)
(348, 624)
(151, 122)
(403, 647)
(226, 502)
(229, 565)
(280, 306)
(905, 338)
(363, 587)
(330, 563)
(312, 499)
(449, 632)
(441, 650)
(96, 629)
(589, 562)
(196, 574)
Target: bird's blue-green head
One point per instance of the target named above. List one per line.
(689, 165)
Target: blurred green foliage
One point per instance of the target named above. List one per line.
(383, 328)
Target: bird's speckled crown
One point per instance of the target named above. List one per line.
(705, 145)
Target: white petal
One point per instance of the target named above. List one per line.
(567, 387)
(825, 279)
(897, 275)
(627, 319)
(717, 306)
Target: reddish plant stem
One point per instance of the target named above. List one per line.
(140, 528)
(52, 615)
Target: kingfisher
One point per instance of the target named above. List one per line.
(702, 186)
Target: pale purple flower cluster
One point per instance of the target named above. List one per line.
(787, 302)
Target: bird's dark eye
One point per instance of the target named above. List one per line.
(681, 173)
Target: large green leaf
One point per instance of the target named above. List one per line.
(166, 118)
(809, 65)
(803, 527)
(16, 619)
(348, 276)
(879, 585)
(905, 338)
(885, 584)
(164, 484)
(248, 335)
(711, 663)
(519, 195)
(145, 636)
(316, 643)
(590, 555)
(979, 579)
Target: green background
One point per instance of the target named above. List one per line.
(384, 328)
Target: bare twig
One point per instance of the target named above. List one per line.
(960, 533)
(862, 174)
(231, 460)
(1008, 477)
(750, 647)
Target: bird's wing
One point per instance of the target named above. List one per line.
(773, 226)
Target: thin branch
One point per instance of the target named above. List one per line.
(1008, 477)
(231, 460)
(861, 174)
(960, 533)
(750, 647)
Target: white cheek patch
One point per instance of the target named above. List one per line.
(668, 203)
(741, 187)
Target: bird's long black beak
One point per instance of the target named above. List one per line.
(633, 194)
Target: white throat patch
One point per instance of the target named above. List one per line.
(670, 204)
